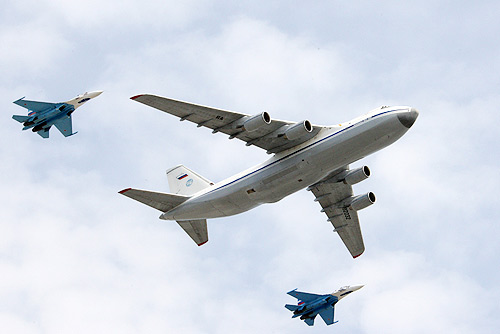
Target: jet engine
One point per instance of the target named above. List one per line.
(298, 130)
(257, 121)
(360, 202)
(357, 175)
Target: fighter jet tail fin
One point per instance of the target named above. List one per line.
(44, 133)
(196, 229)
(184, 181)
(21, 119)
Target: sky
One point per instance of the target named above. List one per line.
(75, 256)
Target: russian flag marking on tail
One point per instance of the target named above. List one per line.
(180, 177)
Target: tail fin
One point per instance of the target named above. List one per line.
(292, 307)
(21, 119)
(184, 181)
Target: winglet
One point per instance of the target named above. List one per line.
(124, 190)
(137, 96)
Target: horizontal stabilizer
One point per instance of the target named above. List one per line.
(304, 296)
(21, 119)
(309, 321)
(292, 307)
(44, 133)
(196, 229)
(159, 201)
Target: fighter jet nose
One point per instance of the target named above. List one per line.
(357, 287)
(409, 117)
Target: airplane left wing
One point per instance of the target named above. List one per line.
(35, 105)
(258, 130)
(64, 126)
(330, 194)
(304, 296)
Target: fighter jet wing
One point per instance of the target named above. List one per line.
(344, 220)
(327, 315)
(269, 137)
(64, 126)
(304, 296)
(35, 106)
(44, 133)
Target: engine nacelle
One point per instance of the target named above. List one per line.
(360, 202)
(298, 130)
(257, 121)
(357, 175)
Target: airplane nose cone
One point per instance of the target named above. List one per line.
(357, 287)
(409, 117)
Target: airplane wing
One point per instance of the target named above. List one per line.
(304, 296)
(35, 105)
(269, 137)
(344, 220)
(64, 126)
(196, 229)
(327, 315)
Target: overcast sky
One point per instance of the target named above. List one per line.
(76, 257)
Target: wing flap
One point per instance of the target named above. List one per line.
(344, 220)
(160, 201)
(270, 137)
(196, 229)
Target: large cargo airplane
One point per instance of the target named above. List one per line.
(304, 156)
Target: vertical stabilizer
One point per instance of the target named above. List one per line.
(184, 181)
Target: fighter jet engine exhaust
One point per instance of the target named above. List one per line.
(298, 130)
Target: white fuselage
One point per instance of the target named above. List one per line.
(295, 169)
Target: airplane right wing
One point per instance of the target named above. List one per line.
(35, 106)
(271, 135)
(304, 296)
(64, 126)
(327, 315)
(330, 193)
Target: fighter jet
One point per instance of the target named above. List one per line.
(310, 305)
(303, 156)
(42, 115)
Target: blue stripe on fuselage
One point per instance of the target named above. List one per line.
(302, 149)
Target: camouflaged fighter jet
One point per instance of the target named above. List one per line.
(310, 305)
(42, 115)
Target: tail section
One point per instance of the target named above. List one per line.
(183, 181)
(21, 119)
(292, 308)
(159, 201)
(196, 229)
